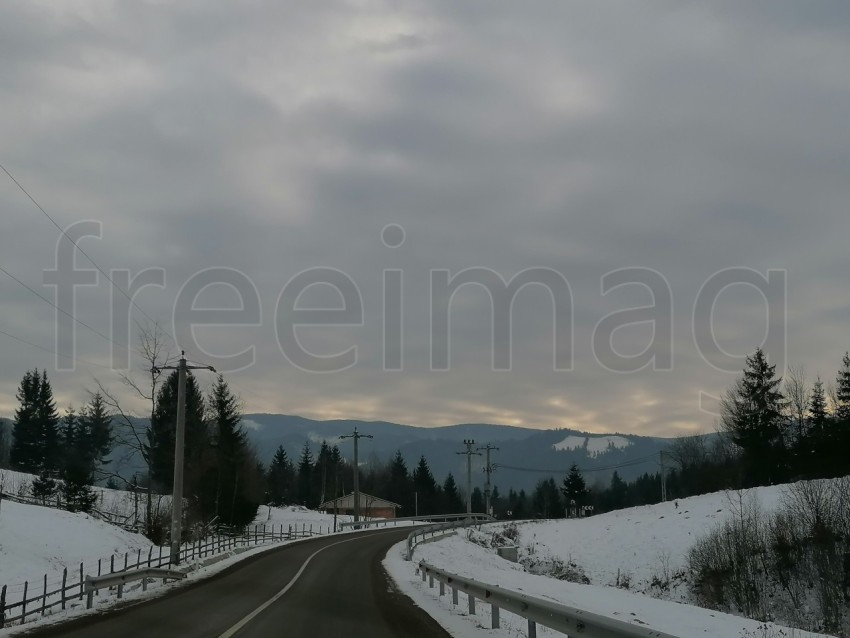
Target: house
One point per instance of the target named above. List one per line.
(370, 506)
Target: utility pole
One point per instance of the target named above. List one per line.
(663, 477)
(179, 455)
(356, 436)
(488, 469)
(469, 453)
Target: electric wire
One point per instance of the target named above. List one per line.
(54, 352)
(56, 306)
(638, 461)
(77, 246)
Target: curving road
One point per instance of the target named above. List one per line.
(326, 587)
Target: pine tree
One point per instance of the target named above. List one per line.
(400, 486)
(231, 500)
(24, 453)
(159, 447)
(452, 503)
(35, 446)
(96, 422)
(818, 414)
(78, 464)
(574, 489)
(305, 472)
(425, 487)
(817, 449)
(752, 413)
(281, 478)
(842, 392)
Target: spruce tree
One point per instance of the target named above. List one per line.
(425, 487)
(574, 489)
(232, 501)
(305, 475)
(452, 503)
(24, 454)
(281, 478)
(159, 447)
(96, 421)
(400, 487)
(817, 449)
(752, 413)
(48, 423)
(842, 392)
(78, 464)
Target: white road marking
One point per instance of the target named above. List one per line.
(247, 619)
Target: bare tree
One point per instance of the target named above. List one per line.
(155, 351)
(797, 392)
(689, 451)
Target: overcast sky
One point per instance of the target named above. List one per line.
(583, 137)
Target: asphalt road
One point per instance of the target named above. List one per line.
(341, 590)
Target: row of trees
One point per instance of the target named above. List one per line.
(65, 452)
(787, 430)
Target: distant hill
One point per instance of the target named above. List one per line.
(538, 450)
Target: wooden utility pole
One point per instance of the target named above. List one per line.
(179, 455)
(469, 453)
(356, 436)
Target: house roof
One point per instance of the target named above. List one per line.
(366, 501)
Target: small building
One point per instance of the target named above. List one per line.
(370, 506)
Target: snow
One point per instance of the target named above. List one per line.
(36, 541)
(596, 445)
(637, 545)
(457, 555)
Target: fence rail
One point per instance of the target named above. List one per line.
(385, 522)
(562, 618)
(72, 586)
(424, 534)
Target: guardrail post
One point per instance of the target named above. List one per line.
(494, 613)
(89, 594)
(81, 581)
(532, 629)
(442, 588)
(454, 596)
(120, 591)
(471, 604)
(431, 581)
(423, 574)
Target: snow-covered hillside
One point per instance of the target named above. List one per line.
(630, 563)
(594, 445)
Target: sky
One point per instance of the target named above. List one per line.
(561, 141)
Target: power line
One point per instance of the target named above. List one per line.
(54, 352)
(77, 246)
(56, 306)
(638, 461)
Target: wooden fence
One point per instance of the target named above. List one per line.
(41, 597)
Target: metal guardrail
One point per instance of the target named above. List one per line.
(432, 531)
(568, 620)
(93, 583)
(378, 522)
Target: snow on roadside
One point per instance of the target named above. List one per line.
(464, 558)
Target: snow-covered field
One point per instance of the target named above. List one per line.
(624, 557)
